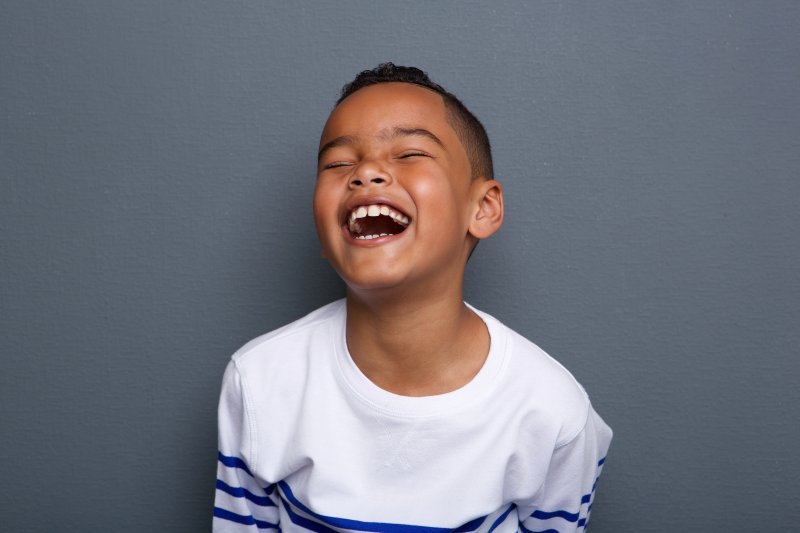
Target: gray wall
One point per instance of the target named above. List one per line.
(157, 162)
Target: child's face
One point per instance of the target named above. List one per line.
(388, 150)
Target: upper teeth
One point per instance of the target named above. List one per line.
(375, 210)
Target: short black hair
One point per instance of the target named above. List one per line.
(466, 125)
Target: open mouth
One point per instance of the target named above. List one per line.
(376, 220)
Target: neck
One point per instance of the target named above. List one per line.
(415, 346)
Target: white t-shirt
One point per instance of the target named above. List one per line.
(308, 442)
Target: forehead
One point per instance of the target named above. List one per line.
(381, 107)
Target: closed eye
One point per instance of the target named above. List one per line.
(408, 155)
(336, 164)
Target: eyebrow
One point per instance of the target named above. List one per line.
(344, 140)
(348, 140)
(421, 132)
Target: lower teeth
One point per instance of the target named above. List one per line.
(367, 237)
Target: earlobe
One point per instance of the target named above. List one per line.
(489, 209)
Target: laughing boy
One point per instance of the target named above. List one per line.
(401, 408)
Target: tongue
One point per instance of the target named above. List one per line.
(378, 225)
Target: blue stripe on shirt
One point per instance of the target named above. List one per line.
(233, 462)
(248, 520)
(566, 515)
(526, 530)
(357, 525)
(502, 518)
(542, 515)
(472, 525)
(378, 527)
(241, 492)
(303, 521)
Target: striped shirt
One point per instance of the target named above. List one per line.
(307, 442)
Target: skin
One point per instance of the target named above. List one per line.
(408, 329)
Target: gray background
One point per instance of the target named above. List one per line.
(157, 163)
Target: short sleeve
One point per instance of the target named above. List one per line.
(242, 502)
(564, 502)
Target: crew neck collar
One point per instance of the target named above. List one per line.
(420, 406)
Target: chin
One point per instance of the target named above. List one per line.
(371, 280)
(370, 283)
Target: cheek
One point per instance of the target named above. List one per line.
(438, 200)
(324, 205)
(430, 187)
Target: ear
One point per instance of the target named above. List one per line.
(488, 217)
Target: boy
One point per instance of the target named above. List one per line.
(401, 408)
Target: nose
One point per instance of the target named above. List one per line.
(368, 174)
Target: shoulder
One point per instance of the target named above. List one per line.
(541, 386)
(288, 343)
